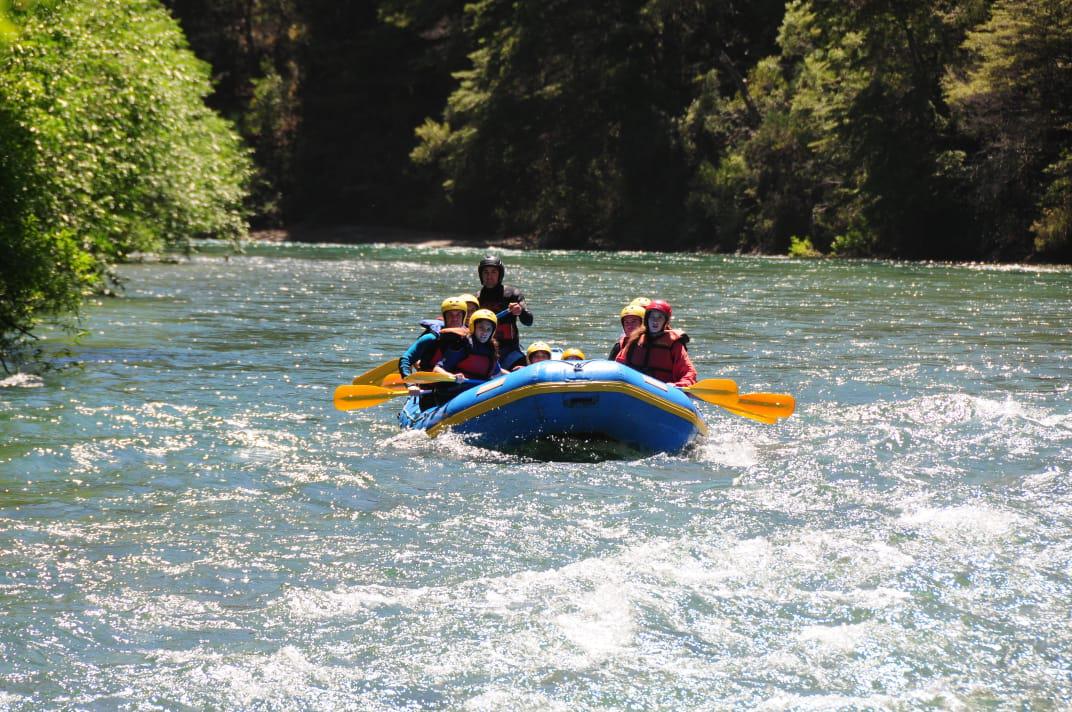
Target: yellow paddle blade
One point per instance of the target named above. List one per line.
(758, 417)
(392, 380)
(771, 405)
(364, 396)
(375, 375)
(762, 407)
(429, 377)
(713, 386)
(395, 380)
(719, 391)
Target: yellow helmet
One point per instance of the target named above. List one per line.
(538, 346)
(633, 309)
(452, 304)
(482, 315)
(642, 301)
(470, 299)
(573, 353)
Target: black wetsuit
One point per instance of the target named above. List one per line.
(497, 299)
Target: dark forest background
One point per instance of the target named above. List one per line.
(908, 129)
(853, 128)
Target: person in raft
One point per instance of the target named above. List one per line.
(573, 354)
(438, 338)
(438, 333)
(538, 351)
(478, 357)
(632, 318)
(497, 297)
(657, 350)
(474, 304)
(471, 304)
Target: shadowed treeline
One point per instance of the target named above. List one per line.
(910, 129)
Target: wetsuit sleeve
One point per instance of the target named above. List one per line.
(525, 317)
(513, 294)
(614, 351)
(684, 371)
(413, 353)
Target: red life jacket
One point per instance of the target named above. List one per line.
(656, 359)
(476, 365)
(497, 300)
(505, 330)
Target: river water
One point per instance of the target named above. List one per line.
(187, 523)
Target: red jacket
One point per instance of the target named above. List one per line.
(664, 358)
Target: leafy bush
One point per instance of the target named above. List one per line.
(802, 247)
(106, 148)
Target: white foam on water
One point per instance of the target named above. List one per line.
(314, 604)
(168, 444)
(991, 409)
(407, 440)
(1057, 420)
(285, 676)
(9, 700)
(972, 522)
(601, 529)
(511, 699)
(585, 614)
(836, 638)
(262, 445)
(22, 380)
(452, 445)
(1044, 479)
(727, 449)
(148, 611)
(1013, 268)
(788, 701)
(875, 599)
(602, 623)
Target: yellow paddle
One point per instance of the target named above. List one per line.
(374, 376)
(762, 407)
(714, 390)
(364, 396)
(766, 408)
(773, 405)
(395, 379)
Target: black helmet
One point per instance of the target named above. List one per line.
(492, 261)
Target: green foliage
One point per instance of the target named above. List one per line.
(7, 27)
(1053, 228)
(854, 243)
(917, 129)
(1014, 97)
(567, 120)
(107, 149)
(802, 247)
(270, 123)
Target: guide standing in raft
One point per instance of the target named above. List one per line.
(496, 296)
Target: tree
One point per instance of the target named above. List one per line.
(567, 122)
(106, 148)
(1015, 98)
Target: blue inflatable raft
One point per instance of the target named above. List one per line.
(567, 402)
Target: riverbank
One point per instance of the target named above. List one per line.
(375, 234)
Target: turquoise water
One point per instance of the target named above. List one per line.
(187, 523)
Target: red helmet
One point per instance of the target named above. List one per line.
(660, 305)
